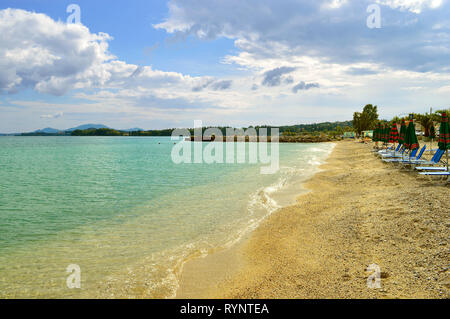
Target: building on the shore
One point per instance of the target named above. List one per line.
(367, 134)
(349, 135)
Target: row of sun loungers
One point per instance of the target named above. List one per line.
(415, 162)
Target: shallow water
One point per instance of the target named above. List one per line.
(125, 213)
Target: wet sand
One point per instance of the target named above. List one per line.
(359, 212)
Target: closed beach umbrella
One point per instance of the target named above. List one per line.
(444, 135)
(411, 141)
(386, 133)
(374, 136)
(383, 134)
(393, 137)
(432, 131)
(402, 135)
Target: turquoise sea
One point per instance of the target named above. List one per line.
(125, 213)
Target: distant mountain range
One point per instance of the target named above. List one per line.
(50, 130)
(86, 127)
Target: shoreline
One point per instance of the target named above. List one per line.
(198, 275)
(357, 212)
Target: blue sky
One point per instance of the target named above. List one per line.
(158, 64)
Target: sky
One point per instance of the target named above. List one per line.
(164, 64)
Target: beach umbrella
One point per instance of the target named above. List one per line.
(379, 133)
(393, 136)
(432, 131)
(444, 135)
(386, 133)
(401, 137)
(383, 134)
(411, 141)
(376, 135)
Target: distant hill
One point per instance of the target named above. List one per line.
(52, 131)
(86, 127)
(48, 130)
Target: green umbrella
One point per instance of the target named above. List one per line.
(432, 131)
(383, 134)
(393, 136)
(380, 133)
(444, 135)
(411, 141)
(376, 135)
(401, 138)
(386, 133)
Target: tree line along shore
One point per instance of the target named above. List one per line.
(365, 120)
(301, 133)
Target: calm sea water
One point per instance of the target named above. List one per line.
(125, 213)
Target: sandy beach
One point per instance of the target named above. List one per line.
(359, 212)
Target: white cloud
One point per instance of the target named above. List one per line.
(54, 58)
(416, 6)
(49, 56)
(52, 116)
(334, 4)
(303, 28)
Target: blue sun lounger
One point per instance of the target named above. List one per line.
(414, 160)
(390, 150)
(435, 173)
(391, 155)
(393, 159)
(435, 160)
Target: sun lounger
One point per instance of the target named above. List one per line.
(431, 168)
(391, 155)
(390, 149)
(414, 160)
(435, 173)
(393, 159)
(435, 160)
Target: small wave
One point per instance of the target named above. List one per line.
(315, 161)
(317, 149)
